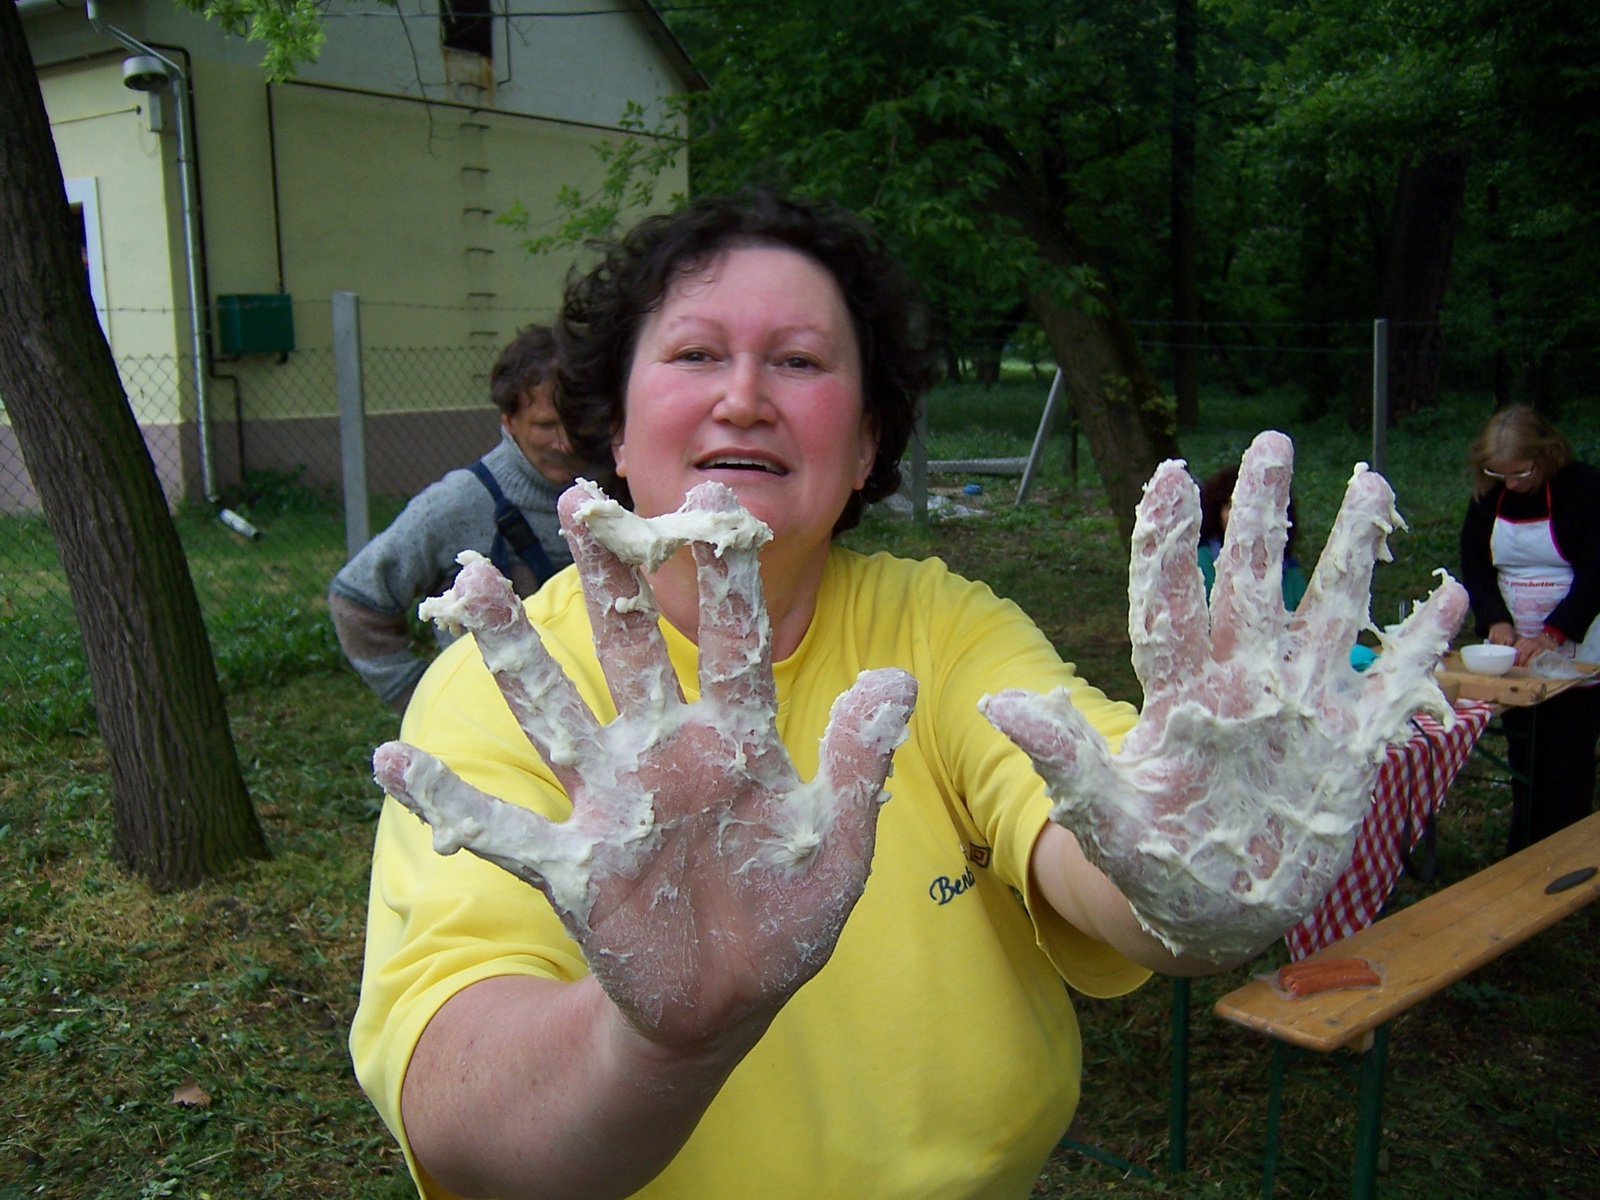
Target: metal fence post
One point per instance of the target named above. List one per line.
(919, 464)
(352, 419)
(1380, 393)
(1046, 423)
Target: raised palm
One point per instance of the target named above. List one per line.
(704, 881)
(1234, 802)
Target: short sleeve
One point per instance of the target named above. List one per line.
(982, 645)
(437, 925)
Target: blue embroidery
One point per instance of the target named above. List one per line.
(944, 889)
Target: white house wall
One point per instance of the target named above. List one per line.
(387, 182)
(579, 68)
(101, 134)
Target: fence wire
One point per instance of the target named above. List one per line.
(275, 460)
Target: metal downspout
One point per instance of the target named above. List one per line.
(191, 256)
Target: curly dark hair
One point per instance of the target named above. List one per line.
(528, 361)
(604, 310)
(1216, 493)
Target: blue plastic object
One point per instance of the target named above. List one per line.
(1362, 657)
(973, 489)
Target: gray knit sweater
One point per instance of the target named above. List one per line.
(372, 595)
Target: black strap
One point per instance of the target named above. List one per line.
(513, 532)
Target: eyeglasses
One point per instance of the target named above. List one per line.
(1510, 476)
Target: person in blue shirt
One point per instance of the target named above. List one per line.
(1216, 496)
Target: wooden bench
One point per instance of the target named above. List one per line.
(1419, 950)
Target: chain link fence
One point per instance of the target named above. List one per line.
(274, 460)
(272, 455)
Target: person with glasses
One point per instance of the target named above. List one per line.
(1530, 560)
(726, 983)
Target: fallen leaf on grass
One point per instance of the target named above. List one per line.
(190, 1095)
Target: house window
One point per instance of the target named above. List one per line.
(467, 25)
(83, 196)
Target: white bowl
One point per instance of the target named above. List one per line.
(1487, 659)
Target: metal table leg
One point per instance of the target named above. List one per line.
(1178, 1137)
(1269, 1161)
(1369, 1119)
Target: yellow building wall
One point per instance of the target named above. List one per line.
(235, 161)
(353, 187)
(395, 200)
(101, 131)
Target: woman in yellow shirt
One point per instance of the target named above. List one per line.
(707, 995)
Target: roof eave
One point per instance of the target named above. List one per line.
(668, 42)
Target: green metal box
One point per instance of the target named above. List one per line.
(261, 324)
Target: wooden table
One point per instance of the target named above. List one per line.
(1517, 688)
(1428, 946)
(1419, 951)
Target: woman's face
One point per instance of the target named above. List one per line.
(1518, 474)
(749, 374)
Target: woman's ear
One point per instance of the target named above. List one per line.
(619, 456)
(867, 451)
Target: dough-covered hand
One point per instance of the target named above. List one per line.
(1233, 804)
(703, 880)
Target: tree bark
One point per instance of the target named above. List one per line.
(1416, 272)
(1319, 366)
(1185, 301)
(1500, 365)
(1124, 416)
(180, 806)
(1126, 420)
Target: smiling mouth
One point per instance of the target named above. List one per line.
(728, 462)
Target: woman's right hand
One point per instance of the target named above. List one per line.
(1502, 633)
(703, 880)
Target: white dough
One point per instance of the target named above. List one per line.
(1234, 802)
(648, 542)
(615, 831)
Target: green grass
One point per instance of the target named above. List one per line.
(111, 997)
(264, 604)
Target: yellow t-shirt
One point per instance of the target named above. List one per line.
(936, 1054)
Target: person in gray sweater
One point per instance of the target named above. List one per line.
(503, 506)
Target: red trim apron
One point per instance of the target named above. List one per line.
(1535, 577)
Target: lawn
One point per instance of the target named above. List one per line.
(112, 999)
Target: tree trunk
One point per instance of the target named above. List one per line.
(1416, 272)
(181, 809)
(989, 346)
(1119, 406)
(1124, 416)
(1500, 365)
(1319, 366)
(1185, 302)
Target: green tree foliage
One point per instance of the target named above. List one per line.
(957, 129)
(1011, 150)
(291, 30)
(1019, 150)
(1299, 185)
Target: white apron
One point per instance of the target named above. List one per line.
(1534, 578)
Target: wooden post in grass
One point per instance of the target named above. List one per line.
(181, 811)
(352, 420)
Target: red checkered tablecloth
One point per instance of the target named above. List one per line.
(1411, 786)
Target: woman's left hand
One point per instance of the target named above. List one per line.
(1234, 802)
(1528, 647)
